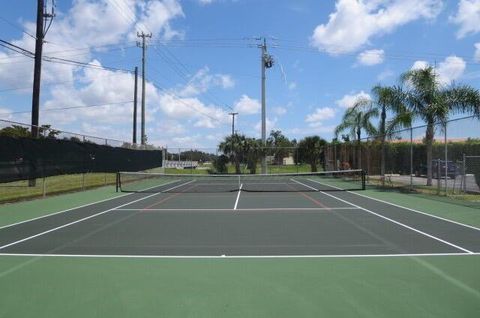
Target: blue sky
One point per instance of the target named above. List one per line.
(203, 62)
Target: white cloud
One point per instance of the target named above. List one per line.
(451, 69)
(270, 125)
(247, 106)
(192, 108)
(467, 18)
(203, 81)
(371, 57)
(355, 22)
(349, 100)
(477, 52)
(292, 86)
(419, 65)
(320, 114)
(156, 17)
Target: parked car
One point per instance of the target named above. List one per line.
(452, 169)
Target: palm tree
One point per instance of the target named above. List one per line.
(356, 119)
(387, 99)
(233, 146)
(311, 150)
(254, 151)
(427, 99)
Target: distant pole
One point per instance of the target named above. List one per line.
(135, 93)
(42, 28)
(233, 122)
(143, 45)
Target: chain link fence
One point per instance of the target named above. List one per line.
(59, 161)
(448, 165)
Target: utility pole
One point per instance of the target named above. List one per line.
(44, 21)
(142, 44)
(135, 91)
(266, 62)
(233, 122)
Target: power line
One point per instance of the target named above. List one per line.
(67, 108)
(17, 27)
(59, 60)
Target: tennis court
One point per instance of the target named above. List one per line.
(259, 216)
(303, 245)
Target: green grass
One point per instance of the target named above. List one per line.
(18, 190)
(447, 286)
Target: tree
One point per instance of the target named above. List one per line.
(386, 99)
(233, 146)
(280, 145)
(356, 119)
(427, 99)
(311, 151)
(253, 150)
(45, 131)
(15, 131)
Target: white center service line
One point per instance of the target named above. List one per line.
(83, 219)
(238, 196)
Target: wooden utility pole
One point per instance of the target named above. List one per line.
(143, 46)
(44, 21)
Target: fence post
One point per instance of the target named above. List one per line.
(411, 158)
(439, 178)
(44, 186)
(464, 174)
(446, 160)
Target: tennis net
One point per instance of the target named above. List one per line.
(288, 182)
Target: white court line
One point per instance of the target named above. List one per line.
(420, 212)
(402, 207)
(305, 185)
(240, 256)
(78, 221)
(79, 207)
(398, 223)
(246, 209)
(238, 196)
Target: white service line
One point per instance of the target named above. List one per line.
(303, 184)
(416, 211)
(238, 196)
(401, 224)
(405, 208)
(246, 209)
(240, 256)
(80, 206)
(81, 220)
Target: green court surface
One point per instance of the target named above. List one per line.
(303, 253)
(441, 286)
(20, 211)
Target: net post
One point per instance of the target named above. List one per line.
(117, 181)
